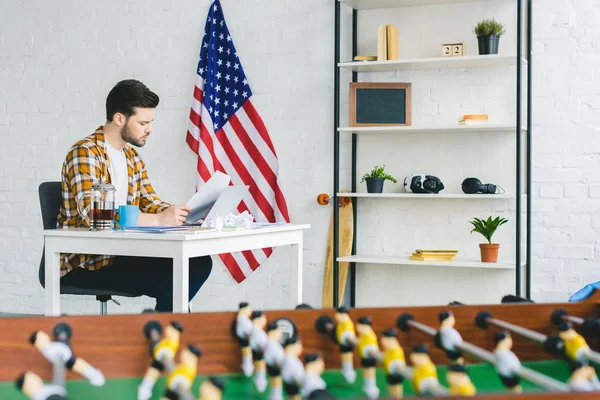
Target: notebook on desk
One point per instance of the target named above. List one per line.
(226, 203)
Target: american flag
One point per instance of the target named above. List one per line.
(228, 135)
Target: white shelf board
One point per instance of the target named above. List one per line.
(492, 60)
(403, 260)
(428, 129)
(430, 196)
(378, 4)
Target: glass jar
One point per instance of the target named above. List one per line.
(102, 206)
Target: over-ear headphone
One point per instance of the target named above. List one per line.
(474, 185)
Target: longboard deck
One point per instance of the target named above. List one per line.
(346, 235)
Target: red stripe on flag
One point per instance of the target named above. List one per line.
(233, 267)
(258, 123)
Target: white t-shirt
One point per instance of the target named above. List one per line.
(118, 174)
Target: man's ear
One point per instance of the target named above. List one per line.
(119, 119)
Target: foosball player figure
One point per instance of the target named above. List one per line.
(314, 386)
(393, 361)
(212, 389)
(180, 380)
(274, 356)
(258, 343)
(292, 369)
(425, 379)
(583, 377)
(459, 382)
(242, 330)
(162, 352)
(507, 363)
(368, 349)
(575, 345)
(448, 337)
(59, 351)
(33, 387)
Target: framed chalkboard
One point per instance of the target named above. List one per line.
(380, 103)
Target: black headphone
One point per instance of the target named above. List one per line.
(474, 185)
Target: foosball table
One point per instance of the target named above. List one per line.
(518, 350)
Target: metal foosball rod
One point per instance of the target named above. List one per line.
(568, 343)
(588, 325)
(406, 321)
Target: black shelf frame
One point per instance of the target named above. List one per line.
(518, 164)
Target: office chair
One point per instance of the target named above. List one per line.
(50, 199)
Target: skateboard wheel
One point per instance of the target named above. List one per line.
(345, 200)
(323, 199)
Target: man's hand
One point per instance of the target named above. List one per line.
(173, 216)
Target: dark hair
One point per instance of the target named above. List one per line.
(457, 368)
(364, 320)
(177, 326)
(342, 310)
(565, 326)
(271, 326)
(217, 382)
(195, 350)
(500, 336)
(126, 95)
(20, 381)
(421, 348)
(311, 357)
(291, 340)
(444, 315)
(243, 304)
(256, 314)
(390, 333)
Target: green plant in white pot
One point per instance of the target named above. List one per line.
(375, 179)
(488, 32)
(487, 228)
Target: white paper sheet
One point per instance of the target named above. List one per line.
(206, 196)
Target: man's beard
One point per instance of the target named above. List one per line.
(128, 137)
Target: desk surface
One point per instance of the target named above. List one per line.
(171, 236)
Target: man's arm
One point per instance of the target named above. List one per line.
(82, 171)
(154, 211)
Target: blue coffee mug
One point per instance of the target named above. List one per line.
(128, 216)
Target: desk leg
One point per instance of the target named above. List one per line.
(181, 283)
(296, 273)
(52, 271)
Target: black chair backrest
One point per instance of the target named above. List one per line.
(50, 199)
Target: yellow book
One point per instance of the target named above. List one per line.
(434, 254)
(418, 258)
(436, 251)
(393, 43)
(381, 43)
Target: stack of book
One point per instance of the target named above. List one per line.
(433, 255)
(473, 119)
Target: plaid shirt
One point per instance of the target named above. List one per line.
(86, 163)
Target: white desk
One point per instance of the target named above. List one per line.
(180, 246)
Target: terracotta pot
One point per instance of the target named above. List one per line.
(489, 252)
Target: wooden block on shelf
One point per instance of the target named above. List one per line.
(381, 43)
(393, 42)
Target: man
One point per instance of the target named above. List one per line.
(106, 155)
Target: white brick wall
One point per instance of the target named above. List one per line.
(60, 58)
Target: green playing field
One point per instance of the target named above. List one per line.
(239, 387)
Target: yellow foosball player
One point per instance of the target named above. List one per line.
(163, 353)
(459, 382)
(368, 350)
(212, 389)
(425, 379)
(345, 336)
(393, 361)
(575, 345)
(180, 381)
(583, 377)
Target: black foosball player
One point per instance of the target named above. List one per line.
(448, 337)
(242, 329)
(274, 356)
(180, 380)
(507, 363)
(212, 389)
(34, 388)
(59, 351)
(292, 369)
(258, 342)
(163, 353)
(393, 361)
(583, 377)
(368, 350)
(314, 386)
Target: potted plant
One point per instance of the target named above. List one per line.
(487, 228)
(488, 32)
(376, 178)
